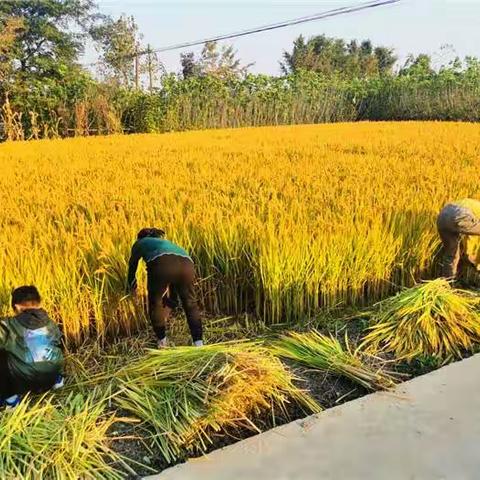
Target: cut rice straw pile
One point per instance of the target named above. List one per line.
(185, 395)
(431, 318)
(41, 440)
(325, 353)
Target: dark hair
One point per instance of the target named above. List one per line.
(150, 232)
(25, 294)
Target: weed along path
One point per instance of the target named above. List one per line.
(427, 428)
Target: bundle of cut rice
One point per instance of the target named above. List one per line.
(186, 395)
(432, 318)
(326, 353)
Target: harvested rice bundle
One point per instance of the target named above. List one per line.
(41, 440)
(326, 353)
(186, 395)
(432, 318)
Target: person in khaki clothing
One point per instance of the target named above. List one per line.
(456, 222)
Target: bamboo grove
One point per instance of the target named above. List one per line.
(280, 221)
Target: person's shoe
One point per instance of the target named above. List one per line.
(59, 382)
(198, 343)
(12, 402)
(162, 343)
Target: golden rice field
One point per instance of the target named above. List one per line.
(280, 221)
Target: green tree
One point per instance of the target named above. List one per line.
(48, 44)
(124, 60)
(331, 56)
(119, 43)
(151, 67)
(419, 66)
(385, 58)
(319, 54)
(190, 67)
(41, 75)
(219, 62)
(10, 29)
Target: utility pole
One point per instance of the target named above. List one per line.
(150, 69)
(137, 69)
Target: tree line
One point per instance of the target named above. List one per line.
(46, 92)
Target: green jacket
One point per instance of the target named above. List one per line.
(150, 248)
(33, 344)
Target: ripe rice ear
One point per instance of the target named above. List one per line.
(432, 318)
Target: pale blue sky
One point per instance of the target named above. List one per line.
(413, 26)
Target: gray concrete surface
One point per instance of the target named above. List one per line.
(429, 428)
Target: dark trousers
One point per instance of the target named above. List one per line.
(452, 223)
(9, 385)
(171, 277)
(6, 382)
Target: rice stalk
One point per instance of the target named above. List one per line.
(185, 396)
(432, 318)
(40, 439)
(325, 353)
(281, 222)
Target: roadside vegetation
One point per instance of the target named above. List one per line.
(45, 92)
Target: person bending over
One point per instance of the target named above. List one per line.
(31, 357)
(457, 220)
(170, 273)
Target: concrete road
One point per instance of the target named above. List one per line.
(428, 429)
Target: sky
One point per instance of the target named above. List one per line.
(410, 27)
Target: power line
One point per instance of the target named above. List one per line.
(265, 28)
(274, 26)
